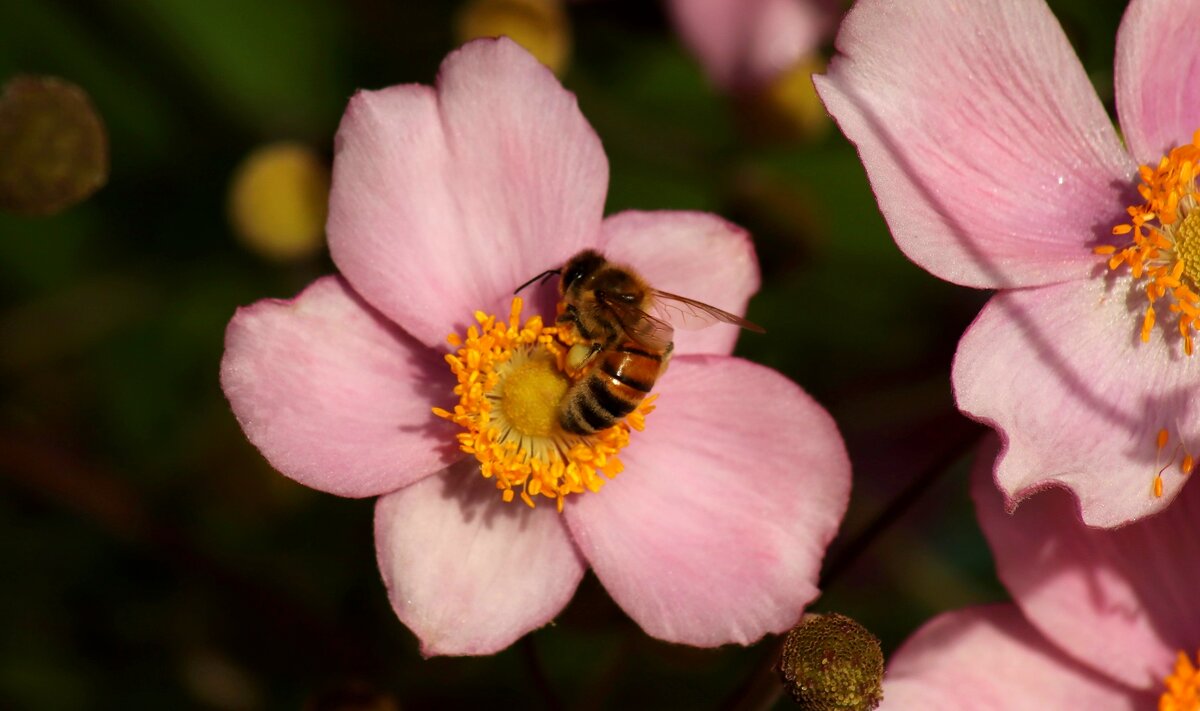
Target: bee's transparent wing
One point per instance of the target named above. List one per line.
(650, 332)
(690, 315)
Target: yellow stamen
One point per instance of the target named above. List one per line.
(511, 381)
(1166, 255)
(1183, 687)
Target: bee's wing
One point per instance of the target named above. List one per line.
(690, 315)
(648, 331)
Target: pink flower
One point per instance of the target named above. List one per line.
(996, 166)
(746, 44)
(1104, 619)
(444, 199)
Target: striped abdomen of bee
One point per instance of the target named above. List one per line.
(614, 383)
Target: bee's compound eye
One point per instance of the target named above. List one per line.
(628, 298)
(573, 275)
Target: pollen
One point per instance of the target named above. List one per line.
(511, 380)
(1183, 687)
(1186, 464)
(1164, 251)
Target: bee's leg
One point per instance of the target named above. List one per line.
(580, 355)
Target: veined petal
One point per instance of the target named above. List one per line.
(990, 155)
(715, 531)
(1157, 62)
(990, 659)
(692, 254)
(334, 395)
(1078, 399)
(445, 200)
(1123, 601)
(466, 572)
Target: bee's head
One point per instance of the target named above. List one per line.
(576, 271)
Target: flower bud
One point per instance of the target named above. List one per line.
(278, 201)
(540, 26)
(832, 663)
(53, 146)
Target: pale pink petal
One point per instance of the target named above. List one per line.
(746, 43)
(466, 572)
(334, 395)
(990, 155)
(446, 200)
(715, 531)
(1120, 601)
(1077, 397)
(1158, 60)
(692, 254)
(990, 659)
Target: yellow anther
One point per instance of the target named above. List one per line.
(1182, 691)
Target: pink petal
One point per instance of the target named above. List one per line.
(1158, 60)
(1079, 400)
(334, 395)
(991, 158)
(466, 572)
(990, 659)
(1120, 601)
(692, 254)
(445, 200)
(747, 43)
(715, 531)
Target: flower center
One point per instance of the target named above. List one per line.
(512, 380)
(1165, 250)
(1183, 687)
(1187, 246)
(531, 393)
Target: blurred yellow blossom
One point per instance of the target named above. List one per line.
(278, 200)
(788, 108)
(540, 26)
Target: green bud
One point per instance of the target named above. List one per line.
(832, 663)
(53, 146)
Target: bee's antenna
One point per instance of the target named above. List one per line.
(543, 276)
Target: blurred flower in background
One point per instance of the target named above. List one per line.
(540, 26)
(444, 199)
(765, 53)
(278, 200)
(996, 166)
(1102, 619)
(53, 145)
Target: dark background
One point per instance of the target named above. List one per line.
(149, 557)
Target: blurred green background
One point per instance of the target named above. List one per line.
(152, 559)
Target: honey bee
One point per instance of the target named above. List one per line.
(623, 330)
